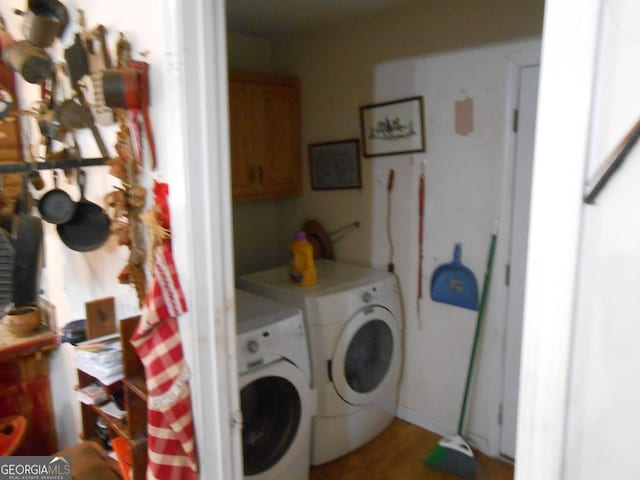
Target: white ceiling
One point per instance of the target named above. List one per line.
(273, 18)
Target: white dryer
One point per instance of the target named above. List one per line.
(275, 389)
(354, 320)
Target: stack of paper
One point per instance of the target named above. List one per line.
(112, 409)
(101, 358)
(93, 394)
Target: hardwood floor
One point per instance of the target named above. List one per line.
(397, 454)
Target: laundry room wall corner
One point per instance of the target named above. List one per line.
(464, 187)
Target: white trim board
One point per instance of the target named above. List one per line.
(202, 226)
(515, 64)
(570, 32)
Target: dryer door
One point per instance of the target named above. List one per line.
(275, 403)
(366, 355)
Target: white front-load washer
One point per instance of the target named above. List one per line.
(276, 397)
(354, 321)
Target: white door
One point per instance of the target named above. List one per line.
(523, 162)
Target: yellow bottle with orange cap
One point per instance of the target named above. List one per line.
(302, 269)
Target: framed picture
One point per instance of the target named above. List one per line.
(392, 128)
(335, 165)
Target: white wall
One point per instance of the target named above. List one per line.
(604, 398)
(72, 278)
(464, 191)
(336, 65)
(249, 53)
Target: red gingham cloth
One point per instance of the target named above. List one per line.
(170, 431)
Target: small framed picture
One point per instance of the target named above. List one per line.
(392, 128)
(335, 165)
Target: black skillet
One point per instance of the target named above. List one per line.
(56, 206)
(88, 229)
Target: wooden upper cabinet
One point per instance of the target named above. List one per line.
(264, 114)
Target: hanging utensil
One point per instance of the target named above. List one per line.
(76, 58)
(98, 61)
(454, 283)
(72, 115)
(88, 229)
(33, 174)
(78, 67)
(28, 241)
(7, 261)
(56, 206)
(319, 239)
(52, 9)
(129, 88)
(33, 63)
(390, 266)
(43, 22)
(421, 199)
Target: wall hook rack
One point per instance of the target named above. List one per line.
(341, 232)
(51, 164)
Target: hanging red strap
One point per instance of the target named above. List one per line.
(421, 194)
(390, 266)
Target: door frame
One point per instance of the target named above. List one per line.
(515, 64)
(202, 234)
(570, 33)
(568, 69)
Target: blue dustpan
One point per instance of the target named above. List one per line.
(455, 284)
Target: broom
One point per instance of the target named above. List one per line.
(452, 454)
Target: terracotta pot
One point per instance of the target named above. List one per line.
(22, 321)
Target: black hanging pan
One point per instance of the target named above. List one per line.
(88, 229)
(56, 206)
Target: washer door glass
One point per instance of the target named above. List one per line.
(271, 416)
(366, 353)
(369, 356)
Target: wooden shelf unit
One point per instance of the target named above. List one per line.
(133, 427)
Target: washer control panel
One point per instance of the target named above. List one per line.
(371, 294)
(282, 339)
(367, 296)
(253, 346)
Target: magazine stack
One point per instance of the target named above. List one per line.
(101, 358)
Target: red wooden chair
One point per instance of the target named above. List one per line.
(12, 431)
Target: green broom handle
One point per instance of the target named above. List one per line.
(483, 301)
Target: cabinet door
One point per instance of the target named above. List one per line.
(243, 170)
(264, 115)
(277, 139)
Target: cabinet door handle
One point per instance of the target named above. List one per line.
(252, 174)
(260, 174)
